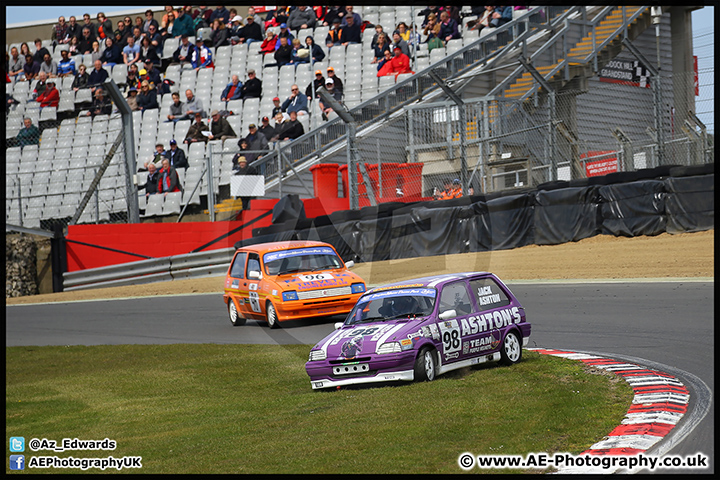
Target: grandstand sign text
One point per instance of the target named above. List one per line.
(626, 72)
(600, 163)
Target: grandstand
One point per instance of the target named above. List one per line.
(508, 79)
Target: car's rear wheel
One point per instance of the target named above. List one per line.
(235, 317)
(511, 351)
(425, 365)
(271, 316)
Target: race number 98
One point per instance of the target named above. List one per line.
(450, 334)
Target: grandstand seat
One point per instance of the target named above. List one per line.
(171, 205)
(169, 47)
(83, 95)
(154, 205)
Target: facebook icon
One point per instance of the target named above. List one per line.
(17, 462)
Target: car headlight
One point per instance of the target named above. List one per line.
(357, 288)
(316, 355)
(287, 296)
(391, 347)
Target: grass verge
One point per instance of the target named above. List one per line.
(250, 409)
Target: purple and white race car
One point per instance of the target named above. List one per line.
(419, 329)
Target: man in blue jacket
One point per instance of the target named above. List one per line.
(296, 102)
(233, 90)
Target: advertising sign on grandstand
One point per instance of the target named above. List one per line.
(626, 72)
(600, 163)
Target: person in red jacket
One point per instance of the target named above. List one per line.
(400, 63)
(50, 97)
(168, 179)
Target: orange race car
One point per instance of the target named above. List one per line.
(292, 280)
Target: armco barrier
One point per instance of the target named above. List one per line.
(191, 265)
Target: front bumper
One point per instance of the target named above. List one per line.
(380, 368)
(320, 307)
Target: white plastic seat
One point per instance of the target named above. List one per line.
(154, 205)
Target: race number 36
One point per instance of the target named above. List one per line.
(450, 335)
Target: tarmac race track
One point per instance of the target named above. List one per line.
(668, 323)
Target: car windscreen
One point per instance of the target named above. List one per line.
(301, 260)
(392, 305)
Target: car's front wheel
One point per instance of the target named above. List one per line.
(425, 365)
(235, 317)
(271, 316)
(511, 351)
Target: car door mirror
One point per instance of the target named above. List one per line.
(349, 264)
(339, 325)
(447, 314)
(254, 275)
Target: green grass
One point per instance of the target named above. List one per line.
(250, 409)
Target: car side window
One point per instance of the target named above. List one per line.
(253, 264)
(455, 296)
(238, 267)
(488, 294)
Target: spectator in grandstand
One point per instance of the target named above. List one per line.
(130, 53)
(184, 52)
(292, 128)
(316, 51)
(160, 153)
(483, 20)
(100, 105)
(59, 35)
(399, 43)
(169, 10)
(31, 68)
(15, 64)
(278, 120)
(233, 90)
(404, 31)
(96, 52)
(453, 12)
(283, 55)
(299, 54)
(332, 14)
(268, 45)
(25, 50)
(333, 36)
(277, 108)
(432, 33)
(285, 32)
(183, 24)
(73, 30)
(336, 80)
(277, 17)
(149, 20)
(387, 57)
(176, 156)
(104, 26)
(112, 54)
(74, 46)
(131, 99)
(195, 132)
(152, 75)
(166, 31)
(501, 16)
(244, 147)
(349, 13)
(350, 32)
(151, 182)
(193, 106)
(330, 87)
(133, 77)
(168, 179)
(257, 141)
(267, 129)
(219, 35)
(448, 27)
(301, 17)
(220, 128)
(66, 65)
(29, 134)
(176, 108)
(88, 23)
(295, 102)
(311, 90)
(85, 44)
(148, 52)
(40, 51)
(40, 85)
(147, 99)
(50, 97)
(97, 76)
(202, 56)
(251, 32)
(221, 13)
(234, 28)
(122, 33)
(378, 32)
(82, 78)
(382, 46)
(156, 40)
(400, 63)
